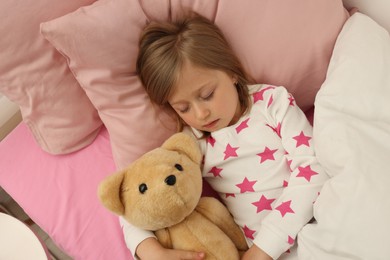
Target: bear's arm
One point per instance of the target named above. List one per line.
(216, 212)
(164, 238)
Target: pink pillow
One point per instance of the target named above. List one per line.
(36, 77)
(280, 42)
(100, 43)
(286, 43)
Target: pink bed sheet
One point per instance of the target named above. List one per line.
(59, 194)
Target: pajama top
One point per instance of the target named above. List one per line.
(265, 170)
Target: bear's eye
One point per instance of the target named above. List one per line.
(179, 167)
(142, 188)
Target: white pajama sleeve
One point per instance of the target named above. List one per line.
(133, 235)
(294, 208)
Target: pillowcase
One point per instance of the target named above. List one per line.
(36, 77)
(100, 43)
(351, 141)
(286, 43)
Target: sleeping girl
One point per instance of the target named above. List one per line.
(257, 143)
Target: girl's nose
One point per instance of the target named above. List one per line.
(202, 112)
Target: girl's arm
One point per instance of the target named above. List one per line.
(150, 248)
(143, 245)
(294, 208)
(255, 253)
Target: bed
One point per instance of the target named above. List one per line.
(69, 66)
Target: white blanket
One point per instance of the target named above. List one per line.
(352, 138)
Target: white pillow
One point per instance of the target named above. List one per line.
(352, 138)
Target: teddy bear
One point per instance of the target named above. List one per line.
(161, 192)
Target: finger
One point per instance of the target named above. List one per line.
(187, 255)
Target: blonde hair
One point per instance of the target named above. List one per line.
(164, 46)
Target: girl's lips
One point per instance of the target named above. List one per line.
(212, 124)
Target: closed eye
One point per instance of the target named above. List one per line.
(184, 110)
(208, 96)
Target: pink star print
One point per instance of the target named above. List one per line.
(270, 101)
(246, 185)
(306, 172)
(216, 171)
(302, 139)
(211, 140)
(263, 204)
(242, 126)
(249, 232)
(259, 95)
(290, 240)
(285, 208)
(268, 154)
(276, 129)
(230, 152)
(291, 98)
(227, 195)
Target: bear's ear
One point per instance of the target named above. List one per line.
(109, 192)
(183, 143)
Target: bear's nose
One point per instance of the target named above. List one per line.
(170, 180)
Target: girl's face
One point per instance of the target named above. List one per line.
(205, 99)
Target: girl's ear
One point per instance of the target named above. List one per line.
(235, 79)
(184, 143)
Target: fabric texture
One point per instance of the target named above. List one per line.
(104, 62)
(36, 77)
(265, 170)
(351, 132)
(59, 193)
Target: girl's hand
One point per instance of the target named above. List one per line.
(150, 249)
(255, 253)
